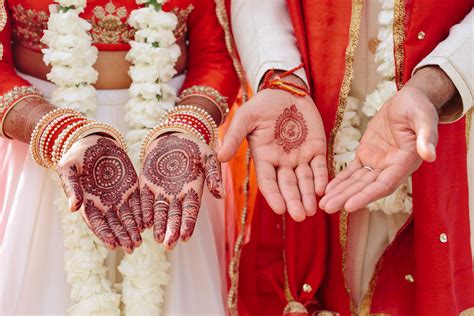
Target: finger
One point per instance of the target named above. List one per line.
(214, 176)
(340, 187)
(128, 221)
(425, 122)
(304, 174)
(320, 174)
(343, 175)
(160, 209)
(267, 184)
(98, 224)
(289, 189)
(147, 199)
(119, 231)
(337, 202)
(134, 201)
(384, 185)
(173, 226)
(191, 204)
(239, 128)
(72, 187)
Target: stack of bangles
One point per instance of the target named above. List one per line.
(274, 81)
(59, 129)
(187, 119)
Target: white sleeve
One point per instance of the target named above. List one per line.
(264, 36)
(455, 55)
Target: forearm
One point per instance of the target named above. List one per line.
(439, 89)
(23, 117)
(204, 104)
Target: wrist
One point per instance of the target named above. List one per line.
(285, 80)
(435, 84)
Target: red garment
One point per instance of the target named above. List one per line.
(208, 63)
(442, 271)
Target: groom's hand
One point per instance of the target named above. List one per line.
(399, 137)
(288, 145)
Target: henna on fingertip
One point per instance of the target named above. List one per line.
(98, 224)
(214, 176)
(160, 208)
(147, 200)
(134, 202)
(191, 204)
(119, 231)
(173, 226)
(128, 221)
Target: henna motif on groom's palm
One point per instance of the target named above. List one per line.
(290, 129)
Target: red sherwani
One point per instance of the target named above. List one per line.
(432, 248)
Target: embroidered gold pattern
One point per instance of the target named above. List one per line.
(3, 22)
(182, 27)
(109, 25)
(28, 26)
(343, 93)
(399, 40)
(469, 118)
(210, 94)
(9, 99)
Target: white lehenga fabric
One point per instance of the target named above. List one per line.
(32, 275)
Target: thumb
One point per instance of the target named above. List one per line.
(214, 176)
(239, 128)
(426, 129)
(72, 186)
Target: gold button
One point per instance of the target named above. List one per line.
(373, 44)
(443, 238)
(409, 278)
(307, 288)
(421, 35)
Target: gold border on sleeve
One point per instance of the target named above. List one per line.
(469, 118)
(356, 17)
(399, 40)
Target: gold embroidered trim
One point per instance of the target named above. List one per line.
(9, 99)
(28, 25)
(229, 41)
(182, 27)
(399, 40)
(232, 297)
(469, 117)
(109, 25)
(356, 17)
(210, 94)
(3, 22)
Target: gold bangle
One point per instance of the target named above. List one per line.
(55, 157)
(92, 127)
(209, 93)
(200, 114)
(163, 128)
(40, 128)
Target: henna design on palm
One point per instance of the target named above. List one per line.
(190, 212)
(107, 172)
(173, 163)
(290, 129)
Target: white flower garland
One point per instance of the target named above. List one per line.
(348, 137)
(153, 56)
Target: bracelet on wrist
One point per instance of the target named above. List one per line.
(58, 130)
(187, 119)
(274, 81)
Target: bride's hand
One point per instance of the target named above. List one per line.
(100, 181)
(171, 184)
